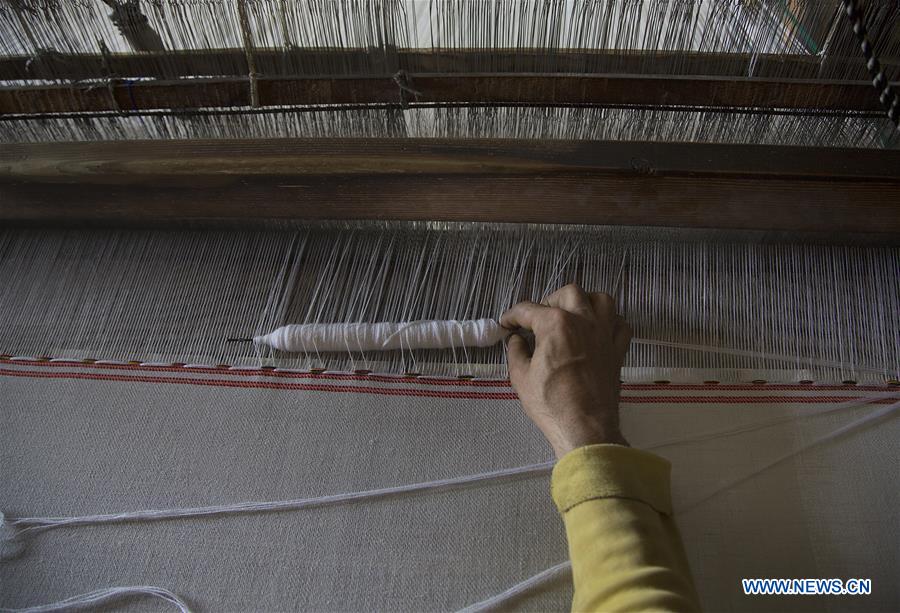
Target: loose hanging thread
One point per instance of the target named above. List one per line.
(507, 595)
(564, 568)
(14, 529)
(104, 596)
(17, 528)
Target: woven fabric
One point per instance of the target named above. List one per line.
(85, 439)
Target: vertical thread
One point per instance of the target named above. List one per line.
(247, 39)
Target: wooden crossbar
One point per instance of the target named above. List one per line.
(814, 96)
(656, 184)
(219, 79)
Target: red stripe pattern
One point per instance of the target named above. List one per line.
(422, 387)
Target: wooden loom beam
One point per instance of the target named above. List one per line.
(233, 62)
(656, 184)
(474, 89)
(134, 82)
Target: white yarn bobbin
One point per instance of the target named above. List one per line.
(385, 336)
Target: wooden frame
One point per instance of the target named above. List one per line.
(220, 78)
(814, 96)
(656, 184)
(388, 60)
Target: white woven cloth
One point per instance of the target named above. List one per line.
(87, 439)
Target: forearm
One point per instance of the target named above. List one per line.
(626, 552)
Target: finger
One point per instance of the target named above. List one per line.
(604, 307)
(523, 315)
(517, 357)
(622, 337)
(570, 298)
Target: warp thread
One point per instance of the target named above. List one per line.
(449, 334)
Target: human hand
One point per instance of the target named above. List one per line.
(569, 386)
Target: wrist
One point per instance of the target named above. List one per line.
(569, 441)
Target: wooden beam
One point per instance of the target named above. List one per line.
(114, 161)
(343, 62)
(654, 184)
(529, 89)
(746, 204)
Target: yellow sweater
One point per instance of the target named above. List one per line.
(625, 549)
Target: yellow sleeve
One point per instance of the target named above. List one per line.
(625, 549)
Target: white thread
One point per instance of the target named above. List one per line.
(17, 527)
(105, 595)
(754, 354)
(447, 334)
(827, 438)
(706, 436)
(560, 570)
(384, 336)
(46, 523)
(12, 529)
(554, 571)
(827, 306)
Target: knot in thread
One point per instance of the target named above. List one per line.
(401, 80)
(10, 543)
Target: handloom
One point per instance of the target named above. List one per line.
(254, 253)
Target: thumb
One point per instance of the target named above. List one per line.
(622, 338)
(518, 357)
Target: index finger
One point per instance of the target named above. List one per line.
(522, 315)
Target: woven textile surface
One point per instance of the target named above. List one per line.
(79, 439)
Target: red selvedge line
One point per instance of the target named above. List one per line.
(494, 383)
(266, 372)
(265, 385)
(432, 393)
(753, 399)
(749, 387)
